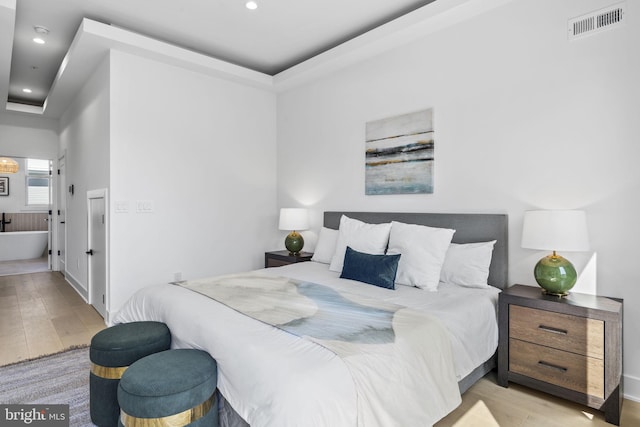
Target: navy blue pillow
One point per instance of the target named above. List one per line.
(379, 270)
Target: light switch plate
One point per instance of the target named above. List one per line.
(144, 206)
(122, 206)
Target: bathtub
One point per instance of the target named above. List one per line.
(16, 245)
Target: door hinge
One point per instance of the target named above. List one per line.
(58, 253)
(50, 212)
(103, 219)
(50, 251)
(58, 211)
(103, 298)
(50, 172)
(58, 171)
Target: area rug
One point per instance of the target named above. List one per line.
(62, 378)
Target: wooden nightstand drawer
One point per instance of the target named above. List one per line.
(280, 258)
(271, 262)
(570, 347)
(562, 331)
(575, 372)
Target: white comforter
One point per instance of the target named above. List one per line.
(300, 383)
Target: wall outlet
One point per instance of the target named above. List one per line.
(177, 277)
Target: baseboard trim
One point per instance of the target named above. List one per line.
(631, 388)
(109, 319)
(75, 284)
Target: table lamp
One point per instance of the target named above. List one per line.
(294, 220)
(555, 230)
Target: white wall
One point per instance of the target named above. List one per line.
(21, 137)
(84, 138)
(524, 119)
(203, 150)
(28, 136)
(16, 200)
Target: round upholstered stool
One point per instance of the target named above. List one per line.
(112, 351)
(171, 388)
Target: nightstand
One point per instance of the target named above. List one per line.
(570, 347)
(280, 258)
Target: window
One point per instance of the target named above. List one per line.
(38, 182)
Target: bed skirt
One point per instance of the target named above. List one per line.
(230, 418)
(227, 416)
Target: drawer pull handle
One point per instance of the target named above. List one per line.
(553, 330)
(552, 366)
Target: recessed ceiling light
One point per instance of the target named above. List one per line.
(251, 5)
(41, 32)
(27, 90)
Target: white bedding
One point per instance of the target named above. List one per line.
(470, 314)
(286, 392)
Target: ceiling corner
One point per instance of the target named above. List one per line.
(94, 40)
(7, 26)
(407, 28)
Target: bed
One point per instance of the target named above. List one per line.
(275, 375)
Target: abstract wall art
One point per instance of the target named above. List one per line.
(399, 154)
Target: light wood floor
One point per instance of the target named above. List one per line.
(40, 313)
(486, 404)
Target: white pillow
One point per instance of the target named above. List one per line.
(360, 236)
(468, 264)
(326, 246)
(423, 250)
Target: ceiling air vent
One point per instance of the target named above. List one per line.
(595, 22)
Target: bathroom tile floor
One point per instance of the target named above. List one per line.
(24, 266)
(40, 314)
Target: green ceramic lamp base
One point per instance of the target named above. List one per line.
(555, 275)
(294, 243)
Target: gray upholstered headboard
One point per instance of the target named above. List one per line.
(470, 228)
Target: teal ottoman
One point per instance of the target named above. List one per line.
(112, 350)
(171, 388)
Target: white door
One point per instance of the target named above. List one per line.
(62, 209)
(50, 229)
(50, 226)
(97, 251)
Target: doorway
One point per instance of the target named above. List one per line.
(26, 205)
(62, 210)
(97, 250)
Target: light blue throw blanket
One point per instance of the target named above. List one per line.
(392, 352)
(338, 318)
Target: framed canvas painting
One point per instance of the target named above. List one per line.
(4, 186)
(399, 154)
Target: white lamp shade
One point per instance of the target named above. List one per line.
(294, 219)
(556, 230)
